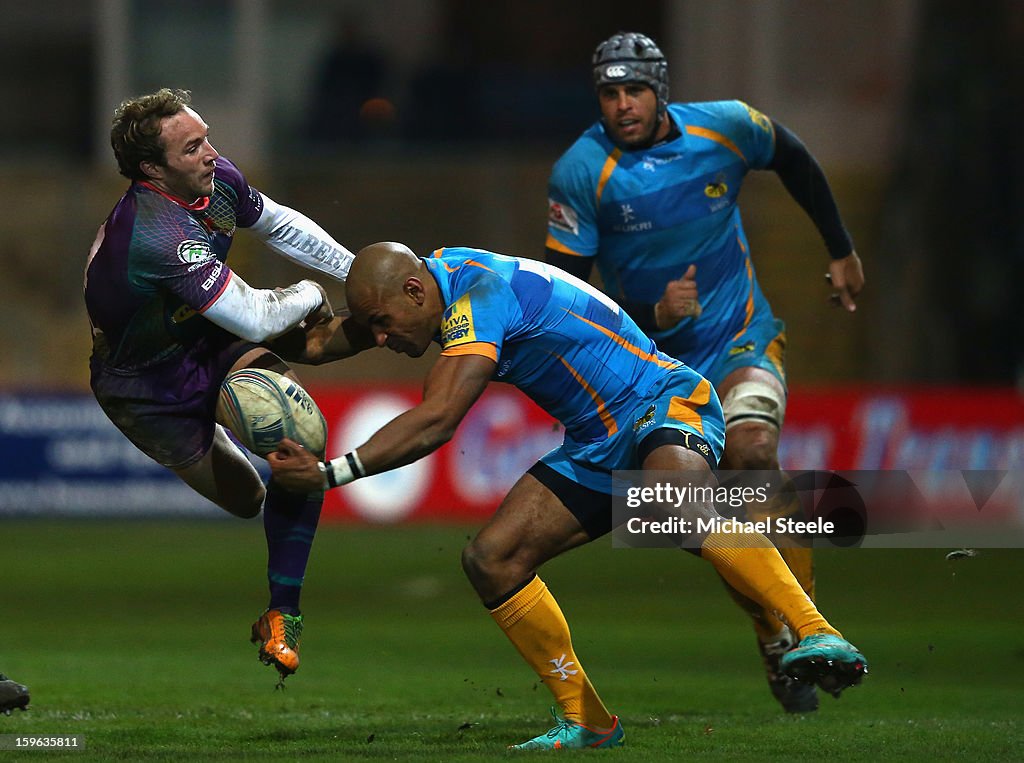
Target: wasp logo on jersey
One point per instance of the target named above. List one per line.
(717, 188)
(563, 217)
(457, 325)
(739, 349)
(646, 420)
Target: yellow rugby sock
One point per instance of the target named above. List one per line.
(800, 561)
(536, 627)
(766, 626)
(753, 566)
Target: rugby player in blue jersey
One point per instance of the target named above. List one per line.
(579, 356)
(170, 320)
(649, 193)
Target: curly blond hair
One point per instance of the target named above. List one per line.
(135, 130)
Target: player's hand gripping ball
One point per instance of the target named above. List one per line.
(262, 406)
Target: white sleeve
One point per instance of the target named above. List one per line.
(262, 314)
(298, 238)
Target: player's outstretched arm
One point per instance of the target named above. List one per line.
(318, 343)
(451, 388)
(803, 177)
(295, 236)
(262, 314)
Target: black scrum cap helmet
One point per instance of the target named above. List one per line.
(632, 57)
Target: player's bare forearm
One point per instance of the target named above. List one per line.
(451, 388)
(342, 338)
(407, 438)
(322, 314)
(414, 434)
(339, 338)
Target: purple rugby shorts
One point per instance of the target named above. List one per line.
(168, 411)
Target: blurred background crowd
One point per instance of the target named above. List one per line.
(436, 122)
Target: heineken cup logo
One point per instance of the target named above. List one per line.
(191, 252)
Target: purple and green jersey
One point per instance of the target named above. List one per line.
(157, 363)
(157, 264)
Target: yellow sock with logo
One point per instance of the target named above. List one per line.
(537, 628)
(753, 566)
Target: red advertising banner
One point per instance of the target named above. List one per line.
(913, 429)
(916, 428)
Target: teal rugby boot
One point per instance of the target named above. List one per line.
(569, 735)
(831, 662)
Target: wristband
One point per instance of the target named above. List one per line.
(341, 471)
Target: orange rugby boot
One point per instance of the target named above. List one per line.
(278, 635)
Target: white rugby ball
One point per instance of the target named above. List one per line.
(262, 406)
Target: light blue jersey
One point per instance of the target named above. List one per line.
(647, 215)
(573, 351)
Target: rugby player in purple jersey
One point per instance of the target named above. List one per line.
(170, 320)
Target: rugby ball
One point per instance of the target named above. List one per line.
(260, 407)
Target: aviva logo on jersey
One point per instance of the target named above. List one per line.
(457, 326)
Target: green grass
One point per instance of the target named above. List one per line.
(136, 636)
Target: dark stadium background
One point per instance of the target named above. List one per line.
(447, 115)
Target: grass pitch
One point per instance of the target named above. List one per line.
(135, 635)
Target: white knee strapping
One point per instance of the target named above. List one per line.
(754, 401)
